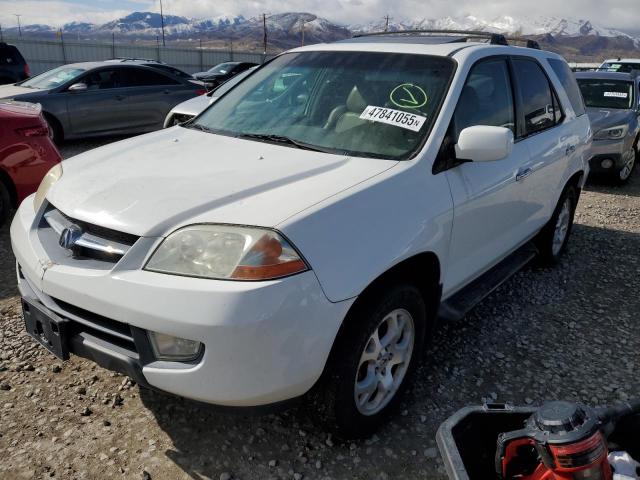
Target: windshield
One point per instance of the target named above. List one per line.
(624, 67)
(600, 93)
(222, 68)
(351, 103)
(53, 78)
(228, 85)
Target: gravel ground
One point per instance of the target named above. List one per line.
(568, 332)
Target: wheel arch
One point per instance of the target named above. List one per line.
(576, 180)
(422, 270)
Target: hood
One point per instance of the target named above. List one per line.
(151, 184)
(602, 118)
(194, 105)
(12, 91)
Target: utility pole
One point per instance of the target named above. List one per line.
(19, 29)
(386, 23)
(302, 30)
(264, 28)
(162, 23)
(1, 37)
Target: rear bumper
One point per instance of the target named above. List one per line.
(264, 342)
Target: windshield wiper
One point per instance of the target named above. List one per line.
(283, 140)
(197, 126)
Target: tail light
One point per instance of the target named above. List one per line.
(27, 70)
(39, 131)
(201, 92)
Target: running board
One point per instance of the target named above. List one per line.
(457, 306)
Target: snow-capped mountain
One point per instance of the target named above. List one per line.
(503, 24)
(284, 30)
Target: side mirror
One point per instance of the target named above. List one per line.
(78, 87)
(482, 143)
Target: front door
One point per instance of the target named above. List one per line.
(489, 206)
(102, 107)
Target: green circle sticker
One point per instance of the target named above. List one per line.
(408, 95)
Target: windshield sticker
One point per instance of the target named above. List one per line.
(410, 121)
(408, 95)
(616, 94)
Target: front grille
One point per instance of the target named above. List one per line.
(90, 241)
(102, 232)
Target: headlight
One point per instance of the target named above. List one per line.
(47, 182)
(612, 133)
(226, 252)
(168, 347)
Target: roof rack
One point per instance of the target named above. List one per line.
(494, 38)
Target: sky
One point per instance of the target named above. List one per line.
(623, 14)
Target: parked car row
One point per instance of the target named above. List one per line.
(326, 211)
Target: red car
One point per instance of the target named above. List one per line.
(26, 153)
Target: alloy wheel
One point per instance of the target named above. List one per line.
(562, 227)
(384, 362)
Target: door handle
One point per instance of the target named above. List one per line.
(570, 149)
(167, 91)
(120, 97)
(524, 173)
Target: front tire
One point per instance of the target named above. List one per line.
(622, 176)
(553, 238)
(373, 360)
(56, 134)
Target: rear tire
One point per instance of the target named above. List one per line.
(5, 203)
(373, 360)
(553, 238)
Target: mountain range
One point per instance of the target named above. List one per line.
(579, 39)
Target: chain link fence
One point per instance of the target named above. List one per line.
(42, 55)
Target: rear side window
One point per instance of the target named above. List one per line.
(568, 81)
(141, 77)
(486, 98)
(540, 107)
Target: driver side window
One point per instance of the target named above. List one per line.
(486, 98)
(103, 79)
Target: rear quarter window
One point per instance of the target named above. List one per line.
(568, 81)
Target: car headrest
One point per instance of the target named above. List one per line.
(355, 101)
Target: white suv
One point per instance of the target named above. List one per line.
(309, 227)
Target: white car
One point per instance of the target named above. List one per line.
(302, 234)
(188, 109)
(624, 65)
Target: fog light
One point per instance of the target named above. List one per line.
(606, 163)
(168, 347)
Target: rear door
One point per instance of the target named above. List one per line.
(151, 95)
(551, 140)
(489, 207)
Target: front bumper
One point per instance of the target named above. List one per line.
(264, 342)
(614, 150)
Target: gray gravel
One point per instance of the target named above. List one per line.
(568, 332)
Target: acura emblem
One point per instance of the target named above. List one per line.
(70, 236)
